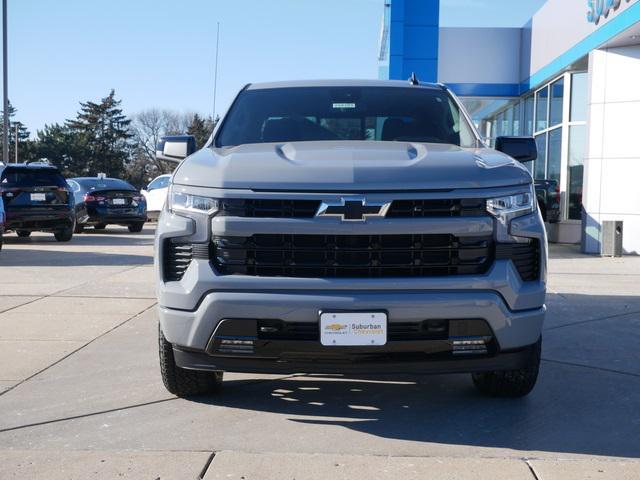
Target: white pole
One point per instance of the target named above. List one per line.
(215, 74)
(5, 86)
(17, 139)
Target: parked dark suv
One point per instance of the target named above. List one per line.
(37, 198)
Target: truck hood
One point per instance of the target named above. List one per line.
(349, 166)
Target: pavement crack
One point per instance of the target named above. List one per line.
(592, 320)
(57, 293)
(78, 349)
(206, 466)
(532, 470)
(601, 369)
(86, 415)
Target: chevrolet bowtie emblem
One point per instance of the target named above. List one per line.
(353, 209)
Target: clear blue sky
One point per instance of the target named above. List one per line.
(160, 53)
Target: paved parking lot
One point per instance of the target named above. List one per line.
(82, 397)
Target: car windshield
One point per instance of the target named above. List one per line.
(31, 177)
(160, 182)
(104, 184)
(299, 114)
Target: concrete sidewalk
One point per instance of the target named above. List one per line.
(83, 396)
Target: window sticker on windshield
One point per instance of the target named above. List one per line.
(340, 106)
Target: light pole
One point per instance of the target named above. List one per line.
(17, 139)
(5, 87)
(215, 73)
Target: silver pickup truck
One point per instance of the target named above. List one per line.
(351, 227)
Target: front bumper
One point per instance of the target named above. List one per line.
(354, 363)
(194, 330)
(192, 308)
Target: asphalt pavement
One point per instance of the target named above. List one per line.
(81, 396)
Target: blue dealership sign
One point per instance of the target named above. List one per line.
(601, 8)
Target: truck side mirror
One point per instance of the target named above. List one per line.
(175, 148)
(522, 149)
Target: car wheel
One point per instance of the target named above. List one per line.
(23, 233)
(100, 226)
(64, 235)
(182, 382)
(136, 227)
(511, 383)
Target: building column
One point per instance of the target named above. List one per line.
(612, 168)
(414, 33)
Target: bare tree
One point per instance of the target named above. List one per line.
(147, 127)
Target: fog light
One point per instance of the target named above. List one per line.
(469, 346)
(235, 345)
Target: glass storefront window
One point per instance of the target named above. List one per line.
(557, 98)
(540, 167)
(542, 109)
(528, 115)
(508, 122)
(516, 120)
(554, 157)
(579, 88)
(577, 152)
(500, 125)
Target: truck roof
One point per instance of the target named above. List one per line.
(342, 83)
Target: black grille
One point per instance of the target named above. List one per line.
(525, 256)
(352, 256)
(440, 329)
(269, 208)
(265, 208)
(178, 256)
(437, 208)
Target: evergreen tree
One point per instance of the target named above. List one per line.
(201, 129)
(25, 146)
(61, 146)
(103, 132)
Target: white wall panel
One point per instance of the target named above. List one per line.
(612, 168)
(479, 55)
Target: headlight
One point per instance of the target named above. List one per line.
(513, 206)
(185, 202)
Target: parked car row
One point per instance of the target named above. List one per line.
(35, 197)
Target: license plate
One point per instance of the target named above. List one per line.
(353, 329)
(119, 201)
(38, 197)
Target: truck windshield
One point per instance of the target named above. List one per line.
(302, 114)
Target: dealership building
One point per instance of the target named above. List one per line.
(570, 77)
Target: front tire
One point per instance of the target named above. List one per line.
(23, 233)
(64, 235)
(183, 382)
(511, 383)
(136, 227)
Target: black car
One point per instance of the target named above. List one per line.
(548, 194)
(104, 201)
(36, 197)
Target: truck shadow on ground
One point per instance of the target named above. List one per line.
(569, 412)
(586, 400)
